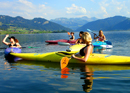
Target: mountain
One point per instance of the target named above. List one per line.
(36, 23)
(111, 23)
(73, 23)
(124, 25)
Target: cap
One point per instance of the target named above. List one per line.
(11, 37)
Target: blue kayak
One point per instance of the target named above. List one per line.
(9, 57)
(105, 44)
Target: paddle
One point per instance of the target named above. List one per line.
(22, 47)
(68, 33)
(64, 62)
(30, 47)
(108, 42)
(91, 31)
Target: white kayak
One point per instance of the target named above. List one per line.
(63, 43)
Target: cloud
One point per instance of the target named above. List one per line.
(26, 9)
(103, 9)
(92, 0)
(25, 6)
(27, 3)
(76, 10)
(96, 8)
(114, 7)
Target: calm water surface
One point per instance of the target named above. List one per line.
(43, 77)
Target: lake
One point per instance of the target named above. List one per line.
(47, 77)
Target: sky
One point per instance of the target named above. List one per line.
(51, 9)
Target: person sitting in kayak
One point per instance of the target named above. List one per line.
(100, 37)
(13, 40)
(72, 36)
(79, 40)
(87, 50)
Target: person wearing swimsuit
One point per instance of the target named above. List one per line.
(87, 50)
(72, 36)
(100, 37)
(13, 40)
(79, 40)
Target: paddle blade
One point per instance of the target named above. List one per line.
(64, 62)
(64, 71)
(68, 33)
(108, 42)
(89, 30)
(33, 47)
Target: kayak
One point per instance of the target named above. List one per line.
(61, 40)
(97, 44)
(9, 57)
(63, 44)
(93, 59)
(105, 44)
(75, 47)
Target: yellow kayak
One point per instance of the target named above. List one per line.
(75, 47)
(57, 56)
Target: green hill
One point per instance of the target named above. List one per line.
(36, 23)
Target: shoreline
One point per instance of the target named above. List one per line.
(2, 32)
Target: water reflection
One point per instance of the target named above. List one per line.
(65, 72)
(9, 66)
(87, 76)
(85, 72)
(102, 50)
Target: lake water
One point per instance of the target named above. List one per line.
(35, 77)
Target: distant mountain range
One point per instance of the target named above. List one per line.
(111, 23)
(36, 23)
(77, 24)
(73, 23)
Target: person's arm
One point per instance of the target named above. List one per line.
(77, 41)
(95, 37)
(87, 53)
(104, 37)
(18, 45)
(73, 37)
(4, 40)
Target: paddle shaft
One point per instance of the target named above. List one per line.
(21, 47)
(108, 42)
(92, 32)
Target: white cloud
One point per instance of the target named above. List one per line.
(104, 9)
(97, 8)
(27, 3)
(25, 6)
(76, 10)
(114, 7)
(25, 9)
(41, 8)
(92, 0)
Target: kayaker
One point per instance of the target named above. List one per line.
(100, 37)
(13, 40)
(79, 40)
(72, 36)
(87, 50)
